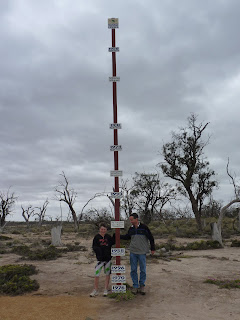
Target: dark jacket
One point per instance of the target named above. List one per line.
(139, 239)
(102, 247)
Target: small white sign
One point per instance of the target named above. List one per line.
(119, 288)
(116, 173)
(116, 148)
(114, 79)
(113, 49)
(112, 23)
(115, 126)
(118, 252)
(116, 195)
(118, 279)
(118, 269)
(117, 224)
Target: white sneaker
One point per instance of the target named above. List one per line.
(105, 292)
(94, 293)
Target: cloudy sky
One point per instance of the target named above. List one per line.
(176, 57)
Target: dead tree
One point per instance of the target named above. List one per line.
(96, 195)
(217, 227)
(42, 212)
(65, 194)
(7, 202)
(27, 213)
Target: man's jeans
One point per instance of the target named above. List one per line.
(134, 260)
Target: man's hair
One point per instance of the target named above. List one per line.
(134, 215)
(102, 224)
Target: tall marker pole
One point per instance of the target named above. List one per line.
(117, 224)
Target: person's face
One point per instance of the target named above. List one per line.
(103, 231)
(133, 221)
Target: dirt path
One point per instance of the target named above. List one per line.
(175, 290)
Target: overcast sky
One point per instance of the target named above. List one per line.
(176, 57)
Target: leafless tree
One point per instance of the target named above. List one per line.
(96, 195)
(7, 202)
(27, 213)
(68, 195)
(217, 227)
(41, 212)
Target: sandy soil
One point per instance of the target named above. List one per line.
(174, 290)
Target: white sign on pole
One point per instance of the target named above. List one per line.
(118, 269)
(116, 195)
(115, 126)
(116, 148)
(117, 224)
(116, 173)
(118, 279)
(114, 79)
(113, 49)
(112, 23)
(119, 288)
(118, 252)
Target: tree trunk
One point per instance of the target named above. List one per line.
(195, 210)
(56, 233)
(217, 227)
(216, 233)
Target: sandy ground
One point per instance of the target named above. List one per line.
(174, 290)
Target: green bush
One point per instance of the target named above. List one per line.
(227, 284)
(49, 253)
(196, 245)
(14, 279)
(235, 243)
(5, 238)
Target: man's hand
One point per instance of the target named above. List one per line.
(152, 252)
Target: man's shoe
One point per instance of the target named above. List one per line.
(142, 290)
(94, 293)
(134, 290)
(105, 292)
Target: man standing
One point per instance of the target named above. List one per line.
(140, 236)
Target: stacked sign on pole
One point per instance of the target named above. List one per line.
(117, 278)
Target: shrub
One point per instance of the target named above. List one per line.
(227, 284)
(14, 279)
(49, 253)
(235, 243)
(196, 245)
(5, 238)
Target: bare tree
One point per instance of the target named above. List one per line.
(66, 194)
(185, 163)
(96, 195)
(217, 227)
(128, 201)
(7, 202)
(41, 212)
(27, 213)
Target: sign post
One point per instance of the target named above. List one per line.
(116, 252)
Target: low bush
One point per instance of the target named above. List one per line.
(5, 238)
(49, 253)
(227, 284)
(196, 245)
(14, 279)
(235, 243)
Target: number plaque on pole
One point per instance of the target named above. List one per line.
(119, 288)
(120, 252)
(118, 269)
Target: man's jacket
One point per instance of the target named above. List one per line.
(140, 238)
